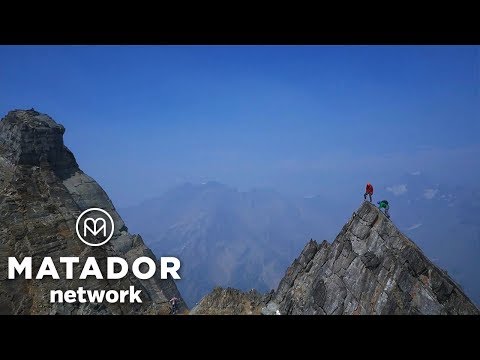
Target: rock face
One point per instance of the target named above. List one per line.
(231, 302)
(42, 192)
(370, 268)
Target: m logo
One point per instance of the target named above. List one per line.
(95, 227)
(95, 230)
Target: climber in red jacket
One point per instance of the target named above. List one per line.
(368, 191)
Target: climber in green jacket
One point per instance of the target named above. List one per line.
(384, 205)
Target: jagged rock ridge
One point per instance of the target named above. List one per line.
(231, 302)
(42, 192)
(370, 268)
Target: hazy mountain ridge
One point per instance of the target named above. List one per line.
(227, 237)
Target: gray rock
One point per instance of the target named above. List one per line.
(42, 191)
(34, 139)
(370, 260)
(231, 302)
(370, 268)
(271, 309)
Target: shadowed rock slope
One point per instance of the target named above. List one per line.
(42, 192)
(370, 268)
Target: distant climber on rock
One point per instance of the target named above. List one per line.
(368, 191)
(384, 205)
(174, 302)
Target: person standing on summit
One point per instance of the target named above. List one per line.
(368, 191)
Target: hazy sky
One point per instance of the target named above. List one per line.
(301, 119)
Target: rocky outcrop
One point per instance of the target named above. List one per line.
(42, 192)
(370, 268)
(231, 302)
(32, 139)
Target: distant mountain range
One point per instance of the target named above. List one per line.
(246, 240)
(227, 237)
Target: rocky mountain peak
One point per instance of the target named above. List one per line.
(28, 137)
(370, 268)
(42, 194)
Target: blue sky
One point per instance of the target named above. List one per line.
(300, 119)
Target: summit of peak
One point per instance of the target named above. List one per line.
(28, 137)
(370, 268)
